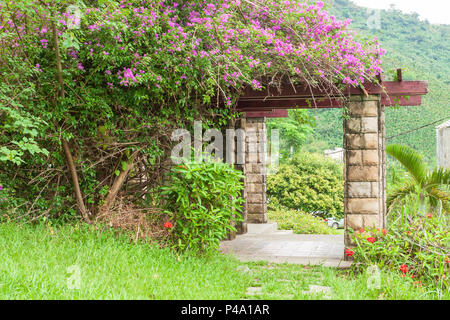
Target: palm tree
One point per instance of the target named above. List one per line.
(431, 186)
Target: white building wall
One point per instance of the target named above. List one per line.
(443, 145)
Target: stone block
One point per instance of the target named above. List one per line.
(364, 108)
(362, 173)
(358, 221)
(370, 141)
(256, 218)
(362, 206)
(255, 187)
(255, 208)
(354, 157)
(354, 221)
(369, 124)
(252, 157)
(254, 178)
(255, 198)
(375, 189)
(255, 168)
(353, 125)
(370, 157)
(354, 141)
(359, 190)
(371, 221)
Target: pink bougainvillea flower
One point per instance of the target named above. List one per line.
(404, 268)
(44, 43)
(371, 239)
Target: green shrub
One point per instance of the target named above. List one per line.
(415, 248)
(299, 222)
(202, 202)
(309, 182)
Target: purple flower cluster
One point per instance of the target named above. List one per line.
(240, 40)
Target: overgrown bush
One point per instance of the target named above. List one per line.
(415, 248)
(309, 182)
(202, 204)
(299, 222)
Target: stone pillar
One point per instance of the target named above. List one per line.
(364, 169)
(255, 170)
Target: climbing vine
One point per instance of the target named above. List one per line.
(90, 91)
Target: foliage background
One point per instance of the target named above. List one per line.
(308, 182)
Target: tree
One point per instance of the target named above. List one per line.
(308, 182)
(293, 131)
(430, 186)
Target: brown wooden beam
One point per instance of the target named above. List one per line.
(276, 108)
(292, 103)
(277, 113)
(392, 88)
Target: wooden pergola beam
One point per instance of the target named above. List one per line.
(391, 88)
(274, 113)
(270, 104)
(393, 93)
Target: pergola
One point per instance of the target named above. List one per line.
(364, 143)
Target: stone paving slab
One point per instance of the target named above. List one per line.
(326, 250)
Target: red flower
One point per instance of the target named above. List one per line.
(429, 215)
(447, 260)
(371, 239)
(404, 268)
(168, 225)
(361, 230)
(384, 231)
(349, 252)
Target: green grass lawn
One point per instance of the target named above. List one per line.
(36, 261)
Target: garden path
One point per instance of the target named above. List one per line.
(264, 242)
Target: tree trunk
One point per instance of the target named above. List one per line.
(65, 144)
(117, 185)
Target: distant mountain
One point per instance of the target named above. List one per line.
(422, 50)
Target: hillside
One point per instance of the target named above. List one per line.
(421, 50)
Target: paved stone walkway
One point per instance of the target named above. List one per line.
(268, 244)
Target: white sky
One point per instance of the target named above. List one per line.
(435, 11)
